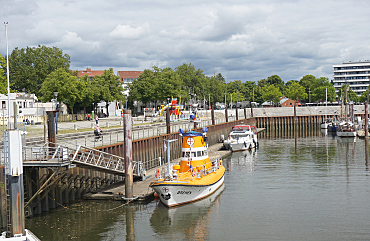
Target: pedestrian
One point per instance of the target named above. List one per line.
(97, 119)
(88, 117)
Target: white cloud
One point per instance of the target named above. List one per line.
(244, 39)
(126, 31)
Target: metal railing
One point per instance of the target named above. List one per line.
(80, 155)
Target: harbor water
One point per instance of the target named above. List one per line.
(314, 187)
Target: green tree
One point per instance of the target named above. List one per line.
(143, 88)
(157, 85)
(306, 82)
(3, 79)
(65, 84)
(110, 88)
(29, 67)
(88, 91)
(365, 95)
(237, 95)
(271, 93)
(319, 93)
(296, 92)
(318, 88)
(277, 82)
(288, 83)
(190, 76)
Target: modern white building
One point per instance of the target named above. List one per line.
(356, 74)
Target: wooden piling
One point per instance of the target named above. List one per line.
(129, 178)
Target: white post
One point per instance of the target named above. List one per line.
(231, 106)
(168, 156)
(7, 69)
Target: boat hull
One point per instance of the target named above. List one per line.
(346, 134)
(241, 146)
(332, 128)
(178, 194)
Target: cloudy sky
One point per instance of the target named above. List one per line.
(241, 39)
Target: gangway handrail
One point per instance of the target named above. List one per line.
(82, 155)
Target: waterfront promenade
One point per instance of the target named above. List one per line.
(113, 123)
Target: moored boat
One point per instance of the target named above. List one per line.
(333, 127)
(346, 129)
(241, 138)
(196, 177)
(326, 123)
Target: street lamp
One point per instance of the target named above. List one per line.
(56, 113)
(7, 69)
(209, 101)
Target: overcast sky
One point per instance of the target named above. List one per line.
(241, 39)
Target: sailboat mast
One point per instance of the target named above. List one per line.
(346, 111)
(326, 102)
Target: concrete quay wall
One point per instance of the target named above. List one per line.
(289, 111)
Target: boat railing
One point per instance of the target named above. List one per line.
(194, 172)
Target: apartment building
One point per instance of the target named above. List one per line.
(356, 74)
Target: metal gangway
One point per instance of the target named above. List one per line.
(70, 155)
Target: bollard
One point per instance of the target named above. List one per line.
(213, 115)
(168, 121)
(107, 124)
(51, 128)
(92, 126)
(75, 127)
(160, 161)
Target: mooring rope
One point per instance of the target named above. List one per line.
(81, 211)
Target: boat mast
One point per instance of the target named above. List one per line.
(346, 110)
(326, 102)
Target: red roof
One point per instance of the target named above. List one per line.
(89, 72)
(129, 74)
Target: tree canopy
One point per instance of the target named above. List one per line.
(29, 67)
(3, 80)
(65, 84)
(271, 93)
(110, 87)
(295, 91)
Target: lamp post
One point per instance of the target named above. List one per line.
(56, 113)
(7, 69)
(209, 101)
(231, 103)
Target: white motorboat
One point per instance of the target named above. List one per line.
(241, 138)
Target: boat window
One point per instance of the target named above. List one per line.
(185, 154)
(205, 153)
(193, 154)
(199, 153)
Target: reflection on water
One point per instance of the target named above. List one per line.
(190, 220)
(244, 160)
(302, 186)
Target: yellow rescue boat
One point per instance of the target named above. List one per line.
(195, 177)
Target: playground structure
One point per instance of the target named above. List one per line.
(174, 108)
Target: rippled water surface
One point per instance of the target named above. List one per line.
(295, 188)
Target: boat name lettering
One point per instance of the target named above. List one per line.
(184, 192)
